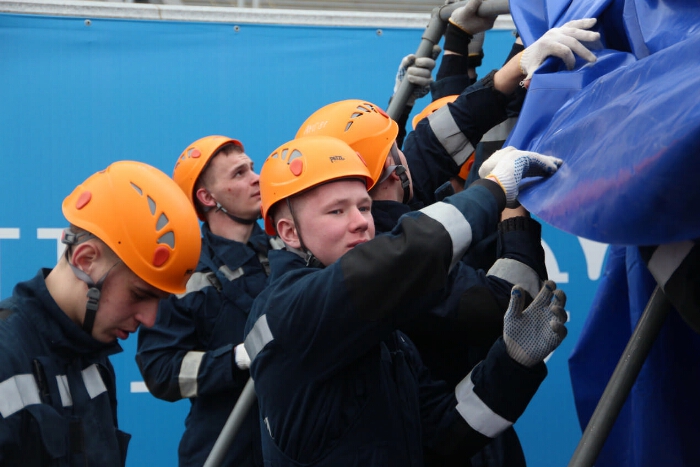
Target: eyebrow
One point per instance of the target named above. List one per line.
(244, 163)
(157, 294)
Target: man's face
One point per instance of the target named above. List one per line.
(334, 218)
(126, 302)
(234, 184)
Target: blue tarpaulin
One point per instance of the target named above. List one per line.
(627, 127)
(628, 130)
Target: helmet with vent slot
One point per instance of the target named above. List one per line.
(304, 163)
(144, 217)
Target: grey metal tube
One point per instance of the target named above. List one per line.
(233, 424)
(622, 380)
(431, 36)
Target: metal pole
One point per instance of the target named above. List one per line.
(622, 380)
(431, 36)
(233, 424)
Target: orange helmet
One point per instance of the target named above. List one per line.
(432, 107)
(361, 124)
(142, 215)
(304, 163)
(193, 160)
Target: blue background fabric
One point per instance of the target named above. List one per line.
(628, 129)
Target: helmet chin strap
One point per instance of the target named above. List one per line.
(235, 218)
(309, 257)
(400, 171)
(94, 288)
(93, 295)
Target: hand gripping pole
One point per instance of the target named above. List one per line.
(431, 36)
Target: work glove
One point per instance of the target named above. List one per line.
(240, 357)
(508, 166)
(532, 334)
(560, 42)
(468, 20)
(476, 50)
(418, 71)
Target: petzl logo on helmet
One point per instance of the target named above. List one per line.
(336, 159)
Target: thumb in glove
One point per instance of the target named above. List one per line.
(508, 166)
(468, 20)
(532, 334)
(562, 42)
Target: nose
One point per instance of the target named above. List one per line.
(255, 178)
(359, 220)
(147, 315)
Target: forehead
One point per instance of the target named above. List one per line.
(346, 190)
(232, 158)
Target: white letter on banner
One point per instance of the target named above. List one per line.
(9, 233)
(52, 234)
(595, 254)
(550, 262)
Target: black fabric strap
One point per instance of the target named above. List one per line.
(457, 40)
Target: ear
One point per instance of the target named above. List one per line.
(388, 161)
(288, 232)
(205, 197)
(86, 255)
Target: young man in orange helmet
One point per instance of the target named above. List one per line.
(337, 384)
(457, 334)
(195, 350)
(133, 240)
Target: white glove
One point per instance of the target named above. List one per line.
(533, 334)
(508, 166)
(560, 42)
(475, 50)
(240, 355)
(468, 20)
(476, 45)
(418, 71)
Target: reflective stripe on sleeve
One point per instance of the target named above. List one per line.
(518, 273)
(93, 381)
(456, 225)
(64, 391)
(18, 392)
(197, 282)
(201, 280)
(258, 337)
(450, 136)
(189, 369)
(501, 131)
(230, 275)
(476, 413)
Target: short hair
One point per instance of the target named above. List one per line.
(205, 175)
(81, 235)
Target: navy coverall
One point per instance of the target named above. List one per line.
(57, 387)
(188, 353)
(480, 119)
(338, 385)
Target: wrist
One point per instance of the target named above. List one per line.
(457, 39)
